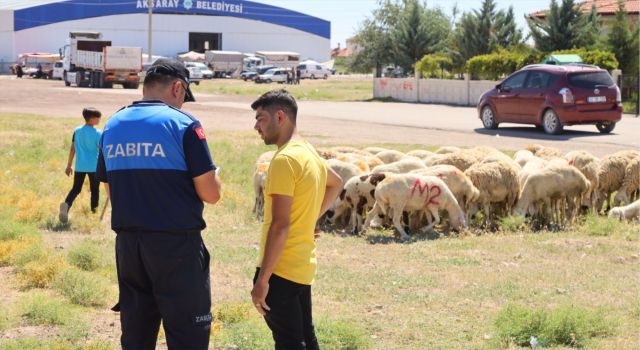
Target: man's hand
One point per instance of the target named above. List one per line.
(68, 170)
(258, 296)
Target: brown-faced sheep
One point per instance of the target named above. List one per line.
(359, 197)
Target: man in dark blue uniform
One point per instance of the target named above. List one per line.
(156, 163)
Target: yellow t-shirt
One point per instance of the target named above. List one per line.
(296, 170)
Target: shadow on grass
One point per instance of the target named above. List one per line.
(380, 237)
(54, 225)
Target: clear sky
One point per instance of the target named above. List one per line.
(346, 15)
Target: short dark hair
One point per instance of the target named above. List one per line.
(278, 99)
(90, 112)
(159, 80)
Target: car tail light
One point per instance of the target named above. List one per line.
(567, 95)
(618, 96)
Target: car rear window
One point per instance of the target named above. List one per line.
(590, 80)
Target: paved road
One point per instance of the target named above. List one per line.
(331, 122)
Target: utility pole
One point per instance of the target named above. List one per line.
(150, 5)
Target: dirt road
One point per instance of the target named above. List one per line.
(328, 122)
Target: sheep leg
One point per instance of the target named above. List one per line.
(397, 222)
(373, 213)
(436, 219)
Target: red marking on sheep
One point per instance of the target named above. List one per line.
(418, 185)
(432, 199)
(435, 189)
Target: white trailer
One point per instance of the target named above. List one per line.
(92, 62)
(280, 59)
(224, 63)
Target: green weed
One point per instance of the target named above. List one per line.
(83, 288)
(40, 308)
(566, 325)
(341, 335)
(87, 255)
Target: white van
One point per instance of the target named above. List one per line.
(313, 71)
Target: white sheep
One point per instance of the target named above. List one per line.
(629, 212)
(390, 156)
(498, 186)
(543, 152)
(522, 157)
(549, 189)
(447, 149)
(398, 193)
(356, 159)
(419, 153)
(611, 173)
(461, 159)
(459, 184)
(375, 150)
(259, 182)
(630, 183)
(400, 167)
(588, 165)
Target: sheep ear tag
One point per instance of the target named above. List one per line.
(418, 185)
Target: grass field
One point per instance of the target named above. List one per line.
(327, 90)
(575, 288)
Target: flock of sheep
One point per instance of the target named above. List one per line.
(413, 189)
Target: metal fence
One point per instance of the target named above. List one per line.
(629, 86)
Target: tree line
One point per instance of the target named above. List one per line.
(405, 32)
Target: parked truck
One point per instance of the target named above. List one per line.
(224, 63)
(90, 61)
(280, 59)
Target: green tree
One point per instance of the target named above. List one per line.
(420, 31)
(399, 33)
(507, 33)
(623, 41)
(483, 31)
(565, 27)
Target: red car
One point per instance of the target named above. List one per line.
(553, 96)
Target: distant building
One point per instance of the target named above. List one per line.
(352, 48)
(606, 10)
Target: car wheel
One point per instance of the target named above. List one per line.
(551, 123)
(605, 127)
(488, 118)
(325, 77)
(313, 76)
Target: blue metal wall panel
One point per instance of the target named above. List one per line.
(40, 15)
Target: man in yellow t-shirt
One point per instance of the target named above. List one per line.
(300, 187)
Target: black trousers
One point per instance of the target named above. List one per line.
(290, 318)
(94, 186)
(163, 276)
